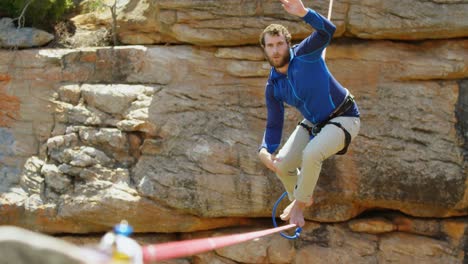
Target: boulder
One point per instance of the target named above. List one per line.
(25, 37)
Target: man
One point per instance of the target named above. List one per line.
(299, 77)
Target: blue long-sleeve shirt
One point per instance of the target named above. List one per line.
(308, 85)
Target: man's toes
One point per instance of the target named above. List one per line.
(284, 216)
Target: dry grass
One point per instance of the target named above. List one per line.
(68, 36)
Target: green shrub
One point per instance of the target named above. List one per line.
(40, 13)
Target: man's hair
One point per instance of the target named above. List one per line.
(275, 30)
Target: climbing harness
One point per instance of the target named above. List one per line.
(315, 129)
(273, 217)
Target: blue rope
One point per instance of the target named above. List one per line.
(273, 216)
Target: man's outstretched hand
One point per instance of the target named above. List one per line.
(294, 7)
(267, 159)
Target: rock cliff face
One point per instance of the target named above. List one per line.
(166, 135)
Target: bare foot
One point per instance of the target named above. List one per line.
(287, 211)
(296, 215)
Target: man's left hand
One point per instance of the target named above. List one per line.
(294, 7)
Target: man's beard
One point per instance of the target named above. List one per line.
(282, 62)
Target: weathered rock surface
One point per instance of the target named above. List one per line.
(234, 23)
(186, 140)
(166, 136)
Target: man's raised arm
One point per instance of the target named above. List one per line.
(294, 7)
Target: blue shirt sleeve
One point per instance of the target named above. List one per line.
(320, 38)
(275, 120)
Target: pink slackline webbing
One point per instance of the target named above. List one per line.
(178, 249)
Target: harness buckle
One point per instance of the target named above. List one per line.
(313, 130)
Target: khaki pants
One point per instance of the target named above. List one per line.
(301, 152)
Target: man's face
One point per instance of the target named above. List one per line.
(276, 50)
